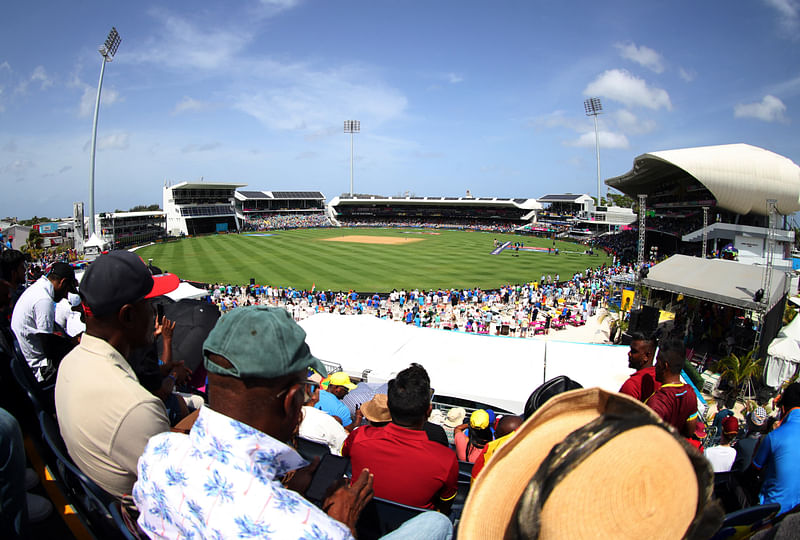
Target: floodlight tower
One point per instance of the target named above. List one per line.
(352, 127)
(107, 51)
(593, 107)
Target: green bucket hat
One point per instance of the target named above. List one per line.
(261, 343)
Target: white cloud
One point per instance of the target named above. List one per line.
(608, 139)
(454, 78)
(188, 104)
(620, 85)
(630, 123)
(644, 56)
(789, 15)
(18, 166)
(189, 148)
(5, 65)
(686, 74)
(181, 44)
(770, 109)
(302, 98)
(39, 75)
(108, 96)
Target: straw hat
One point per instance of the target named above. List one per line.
(455, 417)
(617, 471)
(377, 409)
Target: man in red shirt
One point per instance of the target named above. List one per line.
(642, 384)
(408, 467)
(675, 402)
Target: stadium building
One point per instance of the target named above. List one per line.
(441, 211)
(734, 182)
(124, 229)
(258, 204)
(200, 208)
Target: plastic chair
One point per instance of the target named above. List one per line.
(89, 500)
(310, 449)
(42, 397)
(465, 469)
(743, 523)
(381, 516)
(119, 521)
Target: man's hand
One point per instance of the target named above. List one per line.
(165, 329)
(346, 503)
(301, 478)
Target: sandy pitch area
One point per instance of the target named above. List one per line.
(355, 239)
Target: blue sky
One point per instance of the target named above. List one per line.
(451, 95)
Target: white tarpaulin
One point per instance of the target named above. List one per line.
(187, 290)
(783, 355)
(791, 330)
(495, 370)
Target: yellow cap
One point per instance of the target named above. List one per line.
(479, 419)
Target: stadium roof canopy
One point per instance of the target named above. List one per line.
(206, 185)
(741, 177)
(526, 204)
(719, 281)
(267, 195)
(565, 198)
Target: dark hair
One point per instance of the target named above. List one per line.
(478, 439)
(791, 397)
(409, 395)
(649, 339)
(547, 390)
(10, 259)
(673, 352)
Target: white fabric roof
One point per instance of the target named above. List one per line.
(498, 371)
(740, 176)
(95, 241)
(187, 290)
(716, 280)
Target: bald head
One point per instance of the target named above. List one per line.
(507, 424)
(272, 406)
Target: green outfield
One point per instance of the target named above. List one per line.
(366, 259)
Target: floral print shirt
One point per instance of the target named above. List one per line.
(220, 482)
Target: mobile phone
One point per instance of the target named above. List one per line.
(331, 469)
(159, 313)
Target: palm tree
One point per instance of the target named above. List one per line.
(739, 372)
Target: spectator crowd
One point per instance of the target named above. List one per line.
(267, 443)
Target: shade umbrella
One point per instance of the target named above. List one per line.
(194, 320)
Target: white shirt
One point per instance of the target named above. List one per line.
(34, 313)
(69, 320)
(222, 481)
(720, 457)
(321, 427)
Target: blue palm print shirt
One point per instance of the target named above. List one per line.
(220, 482)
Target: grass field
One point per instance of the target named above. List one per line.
(376, 260)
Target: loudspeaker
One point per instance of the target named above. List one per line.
(252, 281)
(633, 324)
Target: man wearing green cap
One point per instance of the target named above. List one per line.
(225, 478)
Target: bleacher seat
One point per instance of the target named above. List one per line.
(743, 523)
(88, 499)
(381, 516)
(42, 397)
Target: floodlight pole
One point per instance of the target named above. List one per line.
(107, 51)
(705, 231)
(352, 127)
(593, 107)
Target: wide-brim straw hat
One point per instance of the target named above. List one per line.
(377, 409)
(620, 473)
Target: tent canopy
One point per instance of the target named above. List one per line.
(724, 282)
(187, 291)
